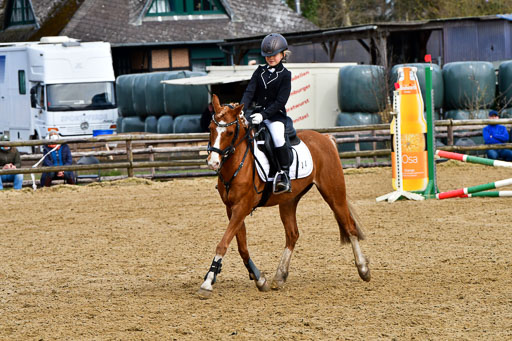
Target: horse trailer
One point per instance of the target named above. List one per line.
(313, 101)
(59, 84)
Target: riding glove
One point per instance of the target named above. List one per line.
(256, 118)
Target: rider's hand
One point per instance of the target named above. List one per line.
(256, 118)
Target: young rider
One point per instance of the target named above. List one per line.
(269, 88)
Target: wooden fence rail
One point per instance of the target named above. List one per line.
(177, 157)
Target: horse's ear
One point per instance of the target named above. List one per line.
(216, 103)
(239, 108)
(240, 113)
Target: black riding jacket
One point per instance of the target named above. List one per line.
(270, 90)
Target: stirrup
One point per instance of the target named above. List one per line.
(283, 185)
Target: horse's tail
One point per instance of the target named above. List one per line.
(333, 140)
(357, 221)
(351, 209)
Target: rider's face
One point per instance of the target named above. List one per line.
(274, 60)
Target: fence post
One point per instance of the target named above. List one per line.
(357, 149)
(374, 144)
(449, 134)
(151, 159)
(129, 154)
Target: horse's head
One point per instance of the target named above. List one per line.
(228, 124)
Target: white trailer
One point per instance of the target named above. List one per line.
(56, 84)
(313, 101)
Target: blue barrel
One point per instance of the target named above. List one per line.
(505, 83)
(362, 88)
(150, 124)
(124, 89)
(165, 125)
(356, 119)
(187, 124)
(469, 85)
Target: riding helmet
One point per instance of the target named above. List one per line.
(273, 44)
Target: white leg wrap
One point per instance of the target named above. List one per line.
(284, 265)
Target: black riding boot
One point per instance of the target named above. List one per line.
(282, 180)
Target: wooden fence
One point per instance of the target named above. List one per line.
(185, 154)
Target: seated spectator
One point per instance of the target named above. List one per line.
(10, 159)
(60, 156)
(496, 134)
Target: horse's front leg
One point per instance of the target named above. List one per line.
(288, 217)
(254, 273)
(235, 223)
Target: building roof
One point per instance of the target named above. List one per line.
(51, 17)
(124, 21)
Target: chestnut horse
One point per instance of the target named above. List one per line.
(231, 137)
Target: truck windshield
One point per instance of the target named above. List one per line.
(80, 96)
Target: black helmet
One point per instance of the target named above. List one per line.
(273, 44)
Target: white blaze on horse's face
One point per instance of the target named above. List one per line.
(214, 157)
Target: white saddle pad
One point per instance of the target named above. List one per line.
(304, 159)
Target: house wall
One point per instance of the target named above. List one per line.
(477, 40)
(348, 51)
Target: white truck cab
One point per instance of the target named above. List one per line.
(56, 84)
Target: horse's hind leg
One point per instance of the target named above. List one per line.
(254, 272)
(288, 217)
(348, 223)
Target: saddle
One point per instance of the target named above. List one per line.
(265, 144)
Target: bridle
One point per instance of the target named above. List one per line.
(226, 152)
(229, 150)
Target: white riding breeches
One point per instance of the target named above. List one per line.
(276, 129)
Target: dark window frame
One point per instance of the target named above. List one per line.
(187, 7)
(22, 82)
(25, 11)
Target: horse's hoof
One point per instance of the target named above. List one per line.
(204, 294)
(263, 286)
(277, 284)
(365, 275)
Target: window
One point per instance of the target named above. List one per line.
(185, 7)
(79, 96)
(37, 96)
(22, 84)
(19, 12)
(180, 59)
(160, 59)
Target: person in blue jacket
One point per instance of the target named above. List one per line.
(496, 134)
(61, 156)
(269, 89)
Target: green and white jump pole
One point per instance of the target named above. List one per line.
(493, 194)
(476, 191)
(473, 159)
(463, 192)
